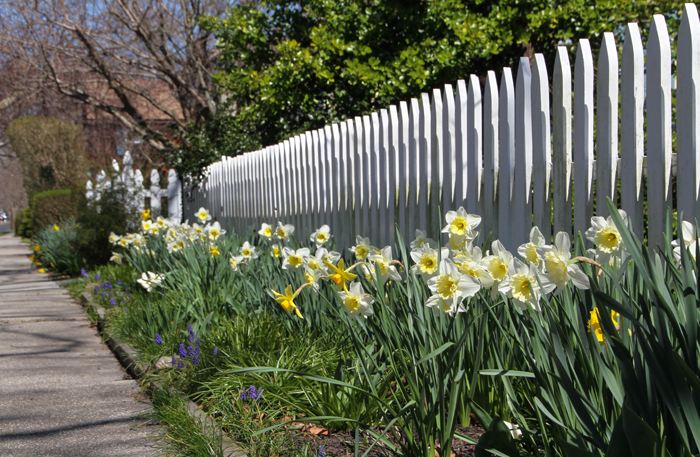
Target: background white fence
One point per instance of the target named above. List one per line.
(132, 180)
(498, 151)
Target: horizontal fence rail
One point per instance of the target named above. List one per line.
(518, 152)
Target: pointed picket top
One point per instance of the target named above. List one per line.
(436, 160)
(583, 137)
(688, 114)
(115, 165)
(506, 159)
(491, 152)
(522, 198)
(632, 125)
(155, 194)
(561, 132)
(659, 134)
(607, 99)
(101, 177)
(127, 161)
(541, 148)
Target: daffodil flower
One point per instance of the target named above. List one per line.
(356, 301)
(146, 214)
(339, 275)
(294, 260)
(321, 236)
(248, 251)
(607, 238)
(275, 251)
(116, 258)
(426, 260)
(235, 261)
(312, 278)
(319, 259)
(529, 251)
(283, 232)
(214, 231)
(113, 238)
(56, 227)
(461, 225)
(203, 215)
(497, 265)
(214, 251)
(362, 248)
(266, 231)
(384, 260)
(522, 285)
(146, 225)
(150, 281)
(690, 241)
(422, 239)
(594, 323)
(559, 266)
(449, 287)
(287, 300)
(470, 262)
(162, 223)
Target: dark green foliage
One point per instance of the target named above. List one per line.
(56, 251)
(98, 220)
(24, 223)
(51, 152)
(52, 206)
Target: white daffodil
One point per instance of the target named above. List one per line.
(283, 232)
(528, 251)
(321, 236)
(362, 249)
(116, 258)
(522, 285)
(313, 277)
(203, 215)
(383, 259)
(690, 241)
(154, 230)
(356, 301)
(294, 260)
(146, 225)
(461, 225)
(266, 231)
(113, 238)
(275, 251)
(235, 261)
(470, 262)
(150, 281)
(559, 266)
(162, 223)
(319, 259)
(123, 242)
(137, 241)
(449, 287)
(422, 239)
(426, 260)
(248, 251)
(497, 265)
(607, 238)
(214, 231)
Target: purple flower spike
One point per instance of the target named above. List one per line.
(253, 394)
(119, 282)
(102, 293)
(159, 340)
(216, 351)
(195, 360)
(97, 277)
(112, 301)
(183, 351)
(83, 273)
(190, 351)
(322, 451)
(244, 395)
(180, 365)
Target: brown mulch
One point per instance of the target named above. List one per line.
(341, 444)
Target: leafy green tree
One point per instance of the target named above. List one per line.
(298, 65)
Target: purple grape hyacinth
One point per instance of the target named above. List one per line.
(216, 350)
(83, 273)
(159, 340)
(183, 351)
(322, 451)
(112, 301)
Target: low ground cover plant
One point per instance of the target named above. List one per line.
(557, 349)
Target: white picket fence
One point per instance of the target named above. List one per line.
(136, 193)
(498, 151)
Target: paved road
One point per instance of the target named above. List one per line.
(62, 392)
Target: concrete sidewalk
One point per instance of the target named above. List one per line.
(62, 392)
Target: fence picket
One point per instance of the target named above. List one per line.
(632, 146)
(403, 170)
(436, 162)
(337, 180)
(448, 144)
(688, 114)
(375, 176)
(474, 137)
(522, 195)
(583, 137)
(561, 130)
(607, 99)
(414, 171)
(461, 153)
(393, 181)
(659, 140)
(155, 194)
(506, 159)
(360, 181)
(491, 155)
(367, 165)
(385, 222)
(425, 176)
(541, 149)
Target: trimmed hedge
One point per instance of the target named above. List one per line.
(51, 207)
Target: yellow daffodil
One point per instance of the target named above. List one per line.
(339, 275)
(275, 250)
(37, 248)
(41, 270)
(287, 300)
(32, 258)
(594, 323)
(214, 251)
(55, 227)
(146, 214)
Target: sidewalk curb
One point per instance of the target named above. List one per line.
(126, 355)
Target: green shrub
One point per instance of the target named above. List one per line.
(51, 207)
(23, 223)
(56, 251)
(110, 213)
